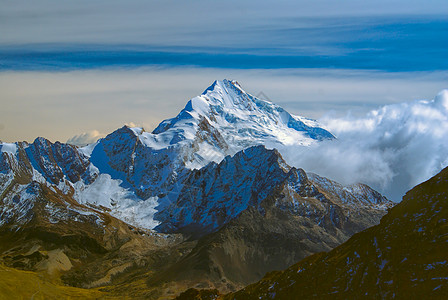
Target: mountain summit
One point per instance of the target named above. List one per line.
(224, 120)
(238, 120)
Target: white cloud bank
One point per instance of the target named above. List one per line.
(391, 149)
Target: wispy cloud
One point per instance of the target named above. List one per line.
(375, 43)
(54, 35)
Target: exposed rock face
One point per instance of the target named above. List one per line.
(50, 162)
(405, 256)
(217, 193)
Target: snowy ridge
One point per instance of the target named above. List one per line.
(357, 194)
(8, 148)
(18, 208)
(224, 120)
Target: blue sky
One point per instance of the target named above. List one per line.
(387, 43)
(395, 35)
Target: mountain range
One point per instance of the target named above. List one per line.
(205, 200)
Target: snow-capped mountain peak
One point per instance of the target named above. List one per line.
(241, 120)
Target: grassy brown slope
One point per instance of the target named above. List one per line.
(405, 257)
(16, 284)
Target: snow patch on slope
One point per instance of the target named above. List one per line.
(8, 148)
(106, 192)
(18, 204)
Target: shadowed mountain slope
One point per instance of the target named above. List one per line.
(405, 257)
